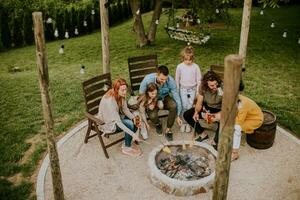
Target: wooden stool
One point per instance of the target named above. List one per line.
(263, 137)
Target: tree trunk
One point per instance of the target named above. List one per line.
(42, 66)
(138, 26)
(155, 21)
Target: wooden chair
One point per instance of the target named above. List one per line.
(93, 90)
(219, 70)
(138, 68)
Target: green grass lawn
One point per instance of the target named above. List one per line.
(271, 79)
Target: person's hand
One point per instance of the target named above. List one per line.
(196, 116)
(147, 126)
(135, 137)
(151, 107)
(137, 121)
(179, 121)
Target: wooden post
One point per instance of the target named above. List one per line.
(232, 76)
(42, 66)
(245, 29)
(104, 36)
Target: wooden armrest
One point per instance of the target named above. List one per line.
(94, 119)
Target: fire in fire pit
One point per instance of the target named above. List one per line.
(184, 171)
(184, 164)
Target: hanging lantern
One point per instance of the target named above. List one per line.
(76, 31)
(261, 12)
(284, 34)
(49, 21)
(67, 35)
(85, 23)
(93, 12)
(272, 24)
(198, 21)
(217, 11)
(156, 22)
(177, 25)
(56, 33)
(299, 40)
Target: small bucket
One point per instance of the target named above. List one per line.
(263, 137)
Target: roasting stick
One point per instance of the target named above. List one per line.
(193, 136)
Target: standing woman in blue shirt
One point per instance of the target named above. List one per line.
(167, 92)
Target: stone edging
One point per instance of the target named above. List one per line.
(40, 193)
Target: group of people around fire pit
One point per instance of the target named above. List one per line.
(161, 91)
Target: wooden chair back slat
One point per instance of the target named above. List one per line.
(219, 70)
(93, 90)
(139, 67)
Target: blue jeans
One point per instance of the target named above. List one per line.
(187, 98)
(129, 124)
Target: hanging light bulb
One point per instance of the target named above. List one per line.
(76, 31)
(82, 71)
(261, 12)
(156, 22)
(284, 34)
(217, 11)
(198, 21)
(177, 25)
(49, 21)
(61, 50)
(299, 40)
(272, 24)
(67, 35)
(56, 33)
(138, 12)
(93, 12)
(85, 23)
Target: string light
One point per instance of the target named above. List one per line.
(198, 21)
(261, 12)
(67, 35)
(217, 11)
(82, 69)
(49, 21)
(177, 25)
(56, 33)
(299, 40)
(272, 24)
(85, 23)
(156, 22)
(76, 31)
(138, 12)
(61, 50)
(284, 33)
(93, 12)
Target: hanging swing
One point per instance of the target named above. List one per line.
(177, 33)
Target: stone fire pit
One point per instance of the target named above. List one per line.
(184, 172)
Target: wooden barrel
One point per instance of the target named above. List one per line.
(263, 137)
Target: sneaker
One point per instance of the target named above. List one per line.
(159, 129)
(182, 128)
(187, 128)
(131, 152)
(169, 136)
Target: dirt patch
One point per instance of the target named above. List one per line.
(33, 141)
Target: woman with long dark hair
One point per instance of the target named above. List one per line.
(114, 112)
